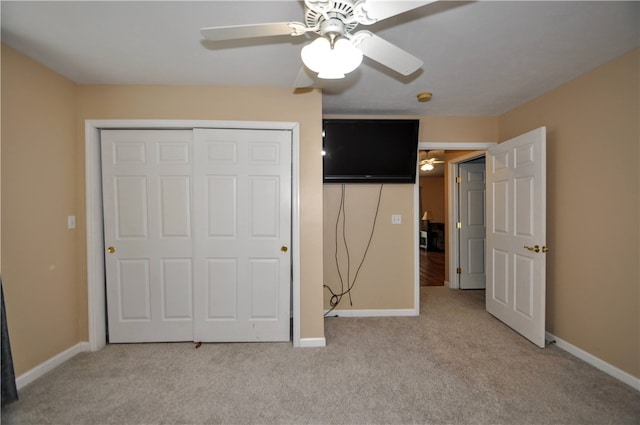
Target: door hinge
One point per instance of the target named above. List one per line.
(458, 179)
(459, 225)
(459, 270)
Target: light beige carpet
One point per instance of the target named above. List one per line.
(454, 364)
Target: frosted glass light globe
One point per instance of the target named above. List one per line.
(314, 54)
(331, 63)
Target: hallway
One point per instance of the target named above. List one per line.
(431, 268)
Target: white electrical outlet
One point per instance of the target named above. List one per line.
(71, 222)
(396, 219)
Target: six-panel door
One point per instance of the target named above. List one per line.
(516, 233)
(194, 234)
(146, 178)
(472, 228)
(242, 261)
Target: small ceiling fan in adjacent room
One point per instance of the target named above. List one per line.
(338, 50)
(428, 159)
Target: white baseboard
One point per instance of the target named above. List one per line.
(55, 361)
(594, 361)
(373, 313)
(312, 342)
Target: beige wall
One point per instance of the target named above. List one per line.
(387, 278)
(593, 280)
(433, 194)
(593, 225)
(40, 256)
(224, 103)
(44, 273)
(458, 129)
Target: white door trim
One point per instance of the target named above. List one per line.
(454, 207)
(94, 225)
(462, 202)
(452, 282)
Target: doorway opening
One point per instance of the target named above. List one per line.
(453, 154)
(432, 197)
(515, 232)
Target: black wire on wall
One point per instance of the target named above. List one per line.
(337, 297)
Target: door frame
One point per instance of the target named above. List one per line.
(96, 297)
(454, 213)
(452, 281)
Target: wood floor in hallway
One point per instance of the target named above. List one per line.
(431, 268)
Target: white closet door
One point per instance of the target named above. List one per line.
(146, 177)
(242, 233)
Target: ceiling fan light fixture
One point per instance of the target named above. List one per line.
(426, 166)
(331, 62)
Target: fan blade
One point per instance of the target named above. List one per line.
(248, 31)
(372, 11)
(385, 53)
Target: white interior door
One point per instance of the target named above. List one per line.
(242, 235)
(146, 178)
(197, 234)
(472, 225)
(516, 233)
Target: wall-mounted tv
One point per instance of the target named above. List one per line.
(370, 150)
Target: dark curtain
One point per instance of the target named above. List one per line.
(8, 378)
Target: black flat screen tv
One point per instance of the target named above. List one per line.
(370, 150)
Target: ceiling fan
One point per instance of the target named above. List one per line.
(428, 159)
(338, 50)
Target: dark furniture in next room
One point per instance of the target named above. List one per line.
(435, 236)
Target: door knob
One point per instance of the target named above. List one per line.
(111, 250)
(545, 249)
(535, 248)
(284, 248)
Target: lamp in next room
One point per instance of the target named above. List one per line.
(427, 216)
(331, 58)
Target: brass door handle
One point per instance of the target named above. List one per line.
(545, 249)
(111, 250)
(535, 248)
(284, 248)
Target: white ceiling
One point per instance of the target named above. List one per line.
(480, 58)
